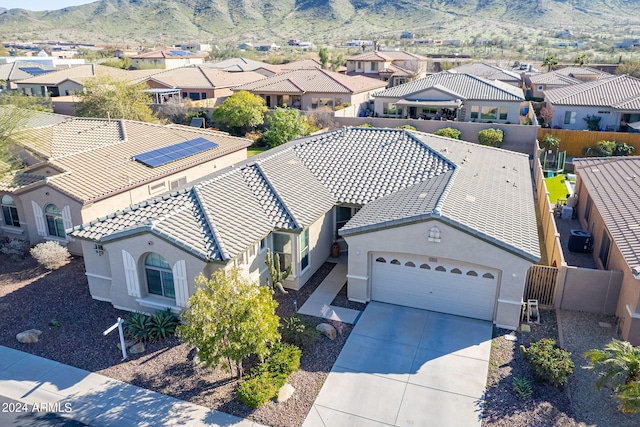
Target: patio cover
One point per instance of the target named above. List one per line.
(454, 103)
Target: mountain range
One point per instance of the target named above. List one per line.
(321, 21)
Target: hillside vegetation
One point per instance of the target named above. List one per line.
(223, 21)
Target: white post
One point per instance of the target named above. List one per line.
(118, 325)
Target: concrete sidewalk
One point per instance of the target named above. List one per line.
(45, 386)
(319, 303)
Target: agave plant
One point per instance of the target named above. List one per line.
(163, 325)
(138, 326)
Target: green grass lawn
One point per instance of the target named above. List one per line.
(255, 150)
(556, 187)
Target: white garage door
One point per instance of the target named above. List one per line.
(434, 284)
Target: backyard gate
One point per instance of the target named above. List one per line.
(541, 284)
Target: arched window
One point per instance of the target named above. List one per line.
(159, 276)
(440, 268)
(409, 264)
(425, 266)
(9, 211)
(395, 262)
(488, 276)
(472, 273)
(456, 271)
(380, 259)
(55, 225)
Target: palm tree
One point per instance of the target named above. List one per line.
(550, 61)
(581, 59)
(619, 366)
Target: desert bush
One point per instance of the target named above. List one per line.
(407, 127)
(256, 390)
(366, 125)
(51, 255)
(549, 362)
(491, 137)
(448, 133)
(284, 359)
(162, 325)
(298, 332)
(255, 136)
(16, 249)
(138, 327)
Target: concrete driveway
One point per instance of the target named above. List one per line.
(407, 367)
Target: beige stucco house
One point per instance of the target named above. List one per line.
(427, 222)
(167, 59)
(81, 169)
(608, 207)
(393, 67)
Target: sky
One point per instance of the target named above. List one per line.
(41, 4)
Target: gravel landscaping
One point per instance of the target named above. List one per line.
(30, 297)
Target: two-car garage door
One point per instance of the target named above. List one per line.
(434, 284)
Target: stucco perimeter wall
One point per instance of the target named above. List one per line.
(455, 245)
(519, 138)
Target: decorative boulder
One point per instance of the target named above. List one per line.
(29, 337)
(137, 348)
(327, 330)
(128, 344)
(285, 392)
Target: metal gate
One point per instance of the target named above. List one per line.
(541, 284)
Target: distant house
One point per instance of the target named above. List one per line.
(615, 99)
(407, 35)
(308, 89)
(628, 43)
(167, 59)
(452, 96)
(202, 86)
(260, 47)
(608, 208)
(490, 72)
(123, 53)
(540, 83)
(584, 74)
(16, 71)
(79, 170)
(393, 67)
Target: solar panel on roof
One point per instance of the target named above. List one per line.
(180, 53)
(164, 155)
(35, 71)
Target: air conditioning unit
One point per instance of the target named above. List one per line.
(580, 241)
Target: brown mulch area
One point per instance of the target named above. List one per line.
(549, 406)
(30, 297)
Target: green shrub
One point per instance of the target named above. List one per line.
(522, 387)
(162, 325)
(448, 133)
(549, 362)
(298, 332)
(51, 255)
(491, 137)
(407, 127)
(256, 390)
(284, 359)
(16, 249)
(138, 326)
(366, 125)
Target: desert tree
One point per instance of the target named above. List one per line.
(241, 112)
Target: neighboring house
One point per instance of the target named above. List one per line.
(615, 99)
(584, 74)
(71, 80)
(394, 67)
(309, 89)
(428, 222)
(44, 59)
(204, 87)
(15, 71)
(539, 83)
(81, 169)
(240, 65)
(260, 47)
(124, 53)
(167, 59)
(608, 208)
(452, 96)
(490, 72)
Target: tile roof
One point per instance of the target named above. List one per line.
(613, 184)
(18, 179)
(240, 65)
(582, 71)
(487, 71)
(169, 54)
(203, 77)
(96, 154)
(621, 92)
(390, 55)
(80, 73)
(313, 80)
(20, 70)
(467, 86)
(553, 78)
(397, 175)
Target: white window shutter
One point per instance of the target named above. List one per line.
(39, 216)
(131, 274)
(67, 222)
(180, 283)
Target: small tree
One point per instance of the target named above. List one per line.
(618, 365)
(285, 124)
(276, 274)
(241, 112)
(593, 122)
(609, 148)
(550, 142)
(546, 114)
(550, 61)
(581, 59)
(323, 54)
(491, 137)
(51, 255)
(229, 318)
(106, 97)
(448, 133)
